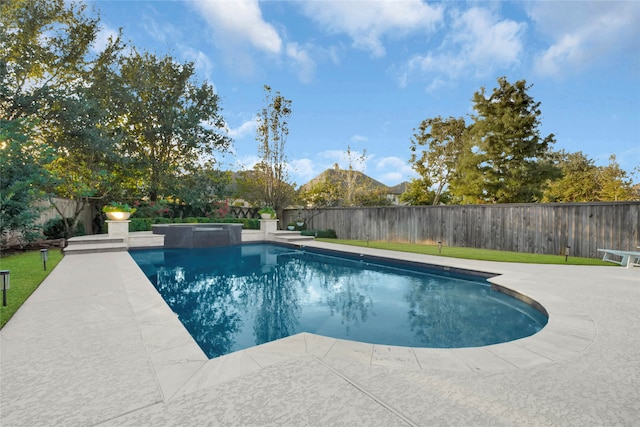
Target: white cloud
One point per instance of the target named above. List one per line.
(201, 61)
(357, 159)
(163, 32)
(485, 40)
(246, 128)
(358, 138)
(390, 178)
(584, 33)
(238, 22)
(393, 170)
(394, 164)
(366, 23)
(303, 62)
(477, 42)
(303, 170)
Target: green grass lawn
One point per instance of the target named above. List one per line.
(27, 273)
(472, 253)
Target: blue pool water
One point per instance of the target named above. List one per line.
(235, 297)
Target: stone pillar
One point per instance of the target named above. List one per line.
(268, 226)
(119, 230)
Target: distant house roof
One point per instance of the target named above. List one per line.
(398, 189)
(340, 177)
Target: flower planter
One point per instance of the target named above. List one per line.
(118, 216)
(265, 216)
(290, 227)
(300, 223)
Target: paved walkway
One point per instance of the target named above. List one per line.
(96, 345)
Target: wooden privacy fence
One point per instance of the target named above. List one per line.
(530, 228)
(68, 207)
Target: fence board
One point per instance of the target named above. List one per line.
(532, 228)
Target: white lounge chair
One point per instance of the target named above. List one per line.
(627, 258)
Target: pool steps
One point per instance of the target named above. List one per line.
(100, 243)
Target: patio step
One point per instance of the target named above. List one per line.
(94, 244)
(93, 240)
(92, 248)
(291, 236)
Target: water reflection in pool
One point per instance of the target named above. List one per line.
(232, 298)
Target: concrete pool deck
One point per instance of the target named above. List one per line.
(97, 345)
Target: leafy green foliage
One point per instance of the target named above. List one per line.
(118, 207)
(20, 175)
(108, 126)
(418, 193)
(506, 159)
(144, 224)
(321, 234)
(444, 140)
(58, 228)
(268, 210)
(171, 121)
(583, 181)
(614, 183)
(200, 190)
(578, 181)
(47, 68)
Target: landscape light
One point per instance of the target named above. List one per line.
(44, 254)
(6, 280)
(439, 247)
(566, 253)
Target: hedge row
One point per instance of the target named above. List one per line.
(323, 234)
(144, 224)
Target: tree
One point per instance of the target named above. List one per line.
(44, 45)
(583, 181)
(20, 174)
(345, 187)
(325, 193)
(506, 160)
(271, 180)
(171, 123)
(578, 182)
(376, 196)
(418, 193)
(202, 188)
(353, 183)
(47, 71)
(613, 182)
(445, 141)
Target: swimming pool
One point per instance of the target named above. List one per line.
(235, 297)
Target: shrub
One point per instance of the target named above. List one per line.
(323, 234)
(144, 224)
(55, 228)
(118, 207)
(268, 210)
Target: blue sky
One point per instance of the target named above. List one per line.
(363, 74)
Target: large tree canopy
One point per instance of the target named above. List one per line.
(44, 47)
(102, 125)
(170, 122)
(506, 159)
(578, 182)
(47, 70)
